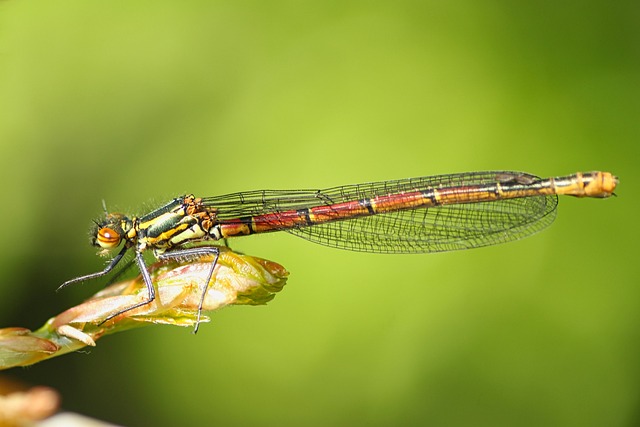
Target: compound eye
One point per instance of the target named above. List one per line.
(108, 238)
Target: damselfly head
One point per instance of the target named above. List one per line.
(108, 234)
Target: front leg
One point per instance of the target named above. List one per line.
(104, 272)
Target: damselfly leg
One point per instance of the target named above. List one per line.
(189, 254)
(104, 272)
(196, 252)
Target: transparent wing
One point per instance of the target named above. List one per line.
(437, 229)
(432, 229)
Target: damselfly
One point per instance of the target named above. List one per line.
(415, 215)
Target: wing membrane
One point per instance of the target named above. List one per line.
(432, 229)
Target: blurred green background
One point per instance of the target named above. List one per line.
(136, 102)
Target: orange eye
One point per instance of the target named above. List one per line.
(108, 238)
